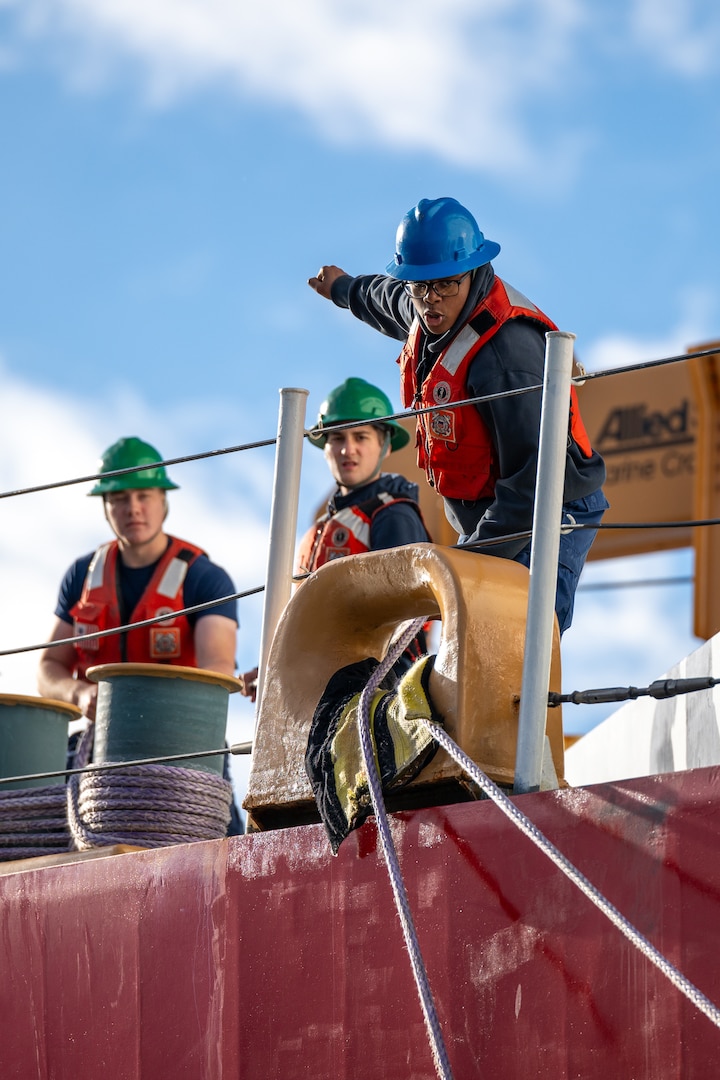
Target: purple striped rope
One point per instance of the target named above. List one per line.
(146, 805)
(33, 821)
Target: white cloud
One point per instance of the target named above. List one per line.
(47, 437)
(627, 636)
(682, 35)
(698, 315)
(456, 81)
(450, 80)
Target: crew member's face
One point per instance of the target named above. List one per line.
(440, 313)
(355, 455)
(136, 516)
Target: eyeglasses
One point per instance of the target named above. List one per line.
(443, 287)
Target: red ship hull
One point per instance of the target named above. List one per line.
(263, 956)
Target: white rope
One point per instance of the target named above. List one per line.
(526, 826)
(432, 1024)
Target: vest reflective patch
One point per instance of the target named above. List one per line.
(173, 578)
(96, 569)
(458, 350)
(517, 299)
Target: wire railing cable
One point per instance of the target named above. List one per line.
(108, 766)
(97, 634)
(406, 414)
(643, 365)
(477, 545)
(579, 526)
(148, 806)
(137, 468)
(634, 583)
(202, 455)
(697, 523)
(487, 398)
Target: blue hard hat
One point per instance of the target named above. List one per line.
(439, 238)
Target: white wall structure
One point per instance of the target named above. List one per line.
(650, 736)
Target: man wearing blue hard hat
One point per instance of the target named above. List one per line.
(467, 333)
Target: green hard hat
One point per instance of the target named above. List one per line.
(358, 400)
(123, 455)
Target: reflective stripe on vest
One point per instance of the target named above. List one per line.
(169, 641)
(454, 446)
(173, 579)
(345, 533)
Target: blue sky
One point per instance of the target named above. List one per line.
(171, 174)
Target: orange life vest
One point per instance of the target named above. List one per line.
(170, 641)
(454, 446)
(345, 533)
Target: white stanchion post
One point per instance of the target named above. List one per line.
(283, 519)
(547, 519)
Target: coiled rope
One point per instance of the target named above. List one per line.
(678, 980)
(146, 806)
(33, 821)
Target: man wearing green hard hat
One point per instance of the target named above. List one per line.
(370, 510)
(142, 573)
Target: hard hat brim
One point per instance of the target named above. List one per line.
(487, 251)
(398, 435)
(129, 483)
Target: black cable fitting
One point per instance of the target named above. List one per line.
(660, 689)
(665, 688)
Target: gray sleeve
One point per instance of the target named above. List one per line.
(379, 301)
